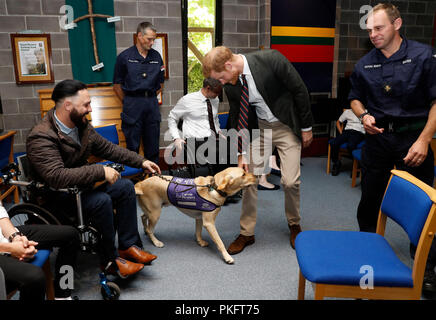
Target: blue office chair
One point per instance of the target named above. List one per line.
(363, 265)
(110, 133)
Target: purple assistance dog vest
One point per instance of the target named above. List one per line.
(183, 193)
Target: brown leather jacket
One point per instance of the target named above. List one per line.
(59, 161)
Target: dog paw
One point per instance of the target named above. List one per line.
(158, 244)
(202, 243)
(229, 260)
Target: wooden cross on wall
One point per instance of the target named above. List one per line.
(91, 15)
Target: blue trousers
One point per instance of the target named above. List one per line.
(111, 209)
(141, 120)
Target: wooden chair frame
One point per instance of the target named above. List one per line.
(392, 293)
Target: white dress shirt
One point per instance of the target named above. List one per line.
(192, 108)
(255, 98)
(353, 122)
(3, 214)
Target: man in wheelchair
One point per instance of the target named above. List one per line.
(58, 148)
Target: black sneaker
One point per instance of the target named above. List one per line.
(336, 168)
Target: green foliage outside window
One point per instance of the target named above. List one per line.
(201, 13)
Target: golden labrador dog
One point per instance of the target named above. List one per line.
(200, 198)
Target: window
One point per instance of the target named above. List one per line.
(201, 31)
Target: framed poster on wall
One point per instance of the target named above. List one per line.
(32, 58)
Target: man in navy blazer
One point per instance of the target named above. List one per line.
(279, 106)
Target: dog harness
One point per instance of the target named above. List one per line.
(183, 193)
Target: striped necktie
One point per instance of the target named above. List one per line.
(243, 115)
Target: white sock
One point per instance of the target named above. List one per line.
(67, 298)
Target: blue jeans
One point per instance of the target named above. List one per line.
(110, 209)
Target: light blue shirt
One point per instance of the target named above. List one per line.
(72, 133)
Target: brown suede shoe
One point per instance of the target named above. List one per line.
(240, 243)
(137, 254)
(295, 230)
(125, 268)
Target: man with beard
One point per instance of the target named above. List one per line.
(58, 149)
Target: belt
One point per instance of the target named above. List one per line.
(141, 93)
(401, 125)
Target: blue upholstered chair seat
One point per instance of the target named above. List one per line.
(357, 154)
(40, 257)
(318, 252)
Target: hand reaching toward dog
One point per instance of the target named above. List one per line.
(242, 162)
(151, 166)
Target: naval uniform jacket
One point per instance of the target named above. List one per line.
(280, 86)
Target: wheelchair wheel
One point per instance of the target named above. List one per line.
(28, 213)
(114, 289)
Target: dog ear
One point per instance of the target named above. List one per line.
(138, 189)
(228, 180)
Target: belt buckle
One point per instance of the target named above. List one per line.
(391, 127)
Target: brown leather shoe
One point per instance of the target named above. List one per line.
(240, 243)
(125, 268)
(295, 230)
(137, 254)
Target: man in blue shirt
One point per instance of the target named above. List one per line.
(394, 95)
(138, 75)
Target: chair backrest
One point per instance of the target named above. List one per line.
(108, 132)
(222, 118)
(408, 201)
(6, 149)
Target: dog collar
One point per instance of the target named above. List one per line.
(213, 186)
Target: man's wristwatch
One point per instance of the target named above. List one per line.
(362, 115)
(12, 236)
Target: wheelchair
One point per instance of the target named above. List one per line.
(28, 212)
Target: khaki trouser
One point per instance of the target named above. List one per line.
(289, 148)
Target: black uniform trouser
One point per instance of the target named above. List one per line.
(30, 279)
(351, 137)
(141, 122)
(201, 151)
(379, 155)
